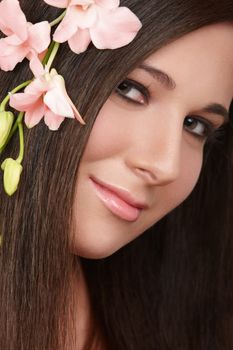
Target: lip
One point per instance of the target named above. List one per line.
(119, 201)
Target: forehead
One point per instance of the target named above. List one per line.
(203, 59)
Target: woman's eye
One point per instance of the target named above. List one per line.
(136, 93)
(198, 127)
(133, 92)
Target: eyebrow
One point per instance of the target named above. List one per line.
(159, 75)
(170, 84)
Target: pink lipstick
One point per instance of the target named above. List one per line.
(116, 202)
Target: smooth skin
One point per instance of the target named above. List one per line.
(148, 138)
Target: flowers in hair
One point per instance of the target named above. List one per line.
(46, 97)
(23, 39)
(102, 22)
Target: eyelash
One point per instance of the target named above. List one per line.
(209, 128)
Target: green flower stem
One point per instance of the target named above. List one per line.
(59, 19)
(21, 142)
(50, 49)
(7, 98)
(13, 130)
(52, 55)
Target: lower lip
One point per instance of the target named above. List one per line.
(115, 204)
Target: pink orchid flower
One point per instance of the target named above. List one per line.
(103, 22)
(23, 38)
(46, 97)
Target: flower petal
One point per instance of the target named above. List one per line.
(8, 46)
(34, 115)
(55, 100)
(35, 65)
(85, 18)
(108, 4)
(58, 3)
(22, 102)
(53, 120)
(31, 95)
(39, 36)
(76, 112)
(12, 19)
(13, 40)
(82, 2)
(115, 28)
(67, 27)
(58, 82)
(79, 41)
(10, 55)
(36, 87)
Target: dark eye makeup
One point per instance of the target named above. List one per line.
(139, 95)
(128, 86)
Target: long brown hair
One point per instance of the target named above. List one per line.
(169, 289)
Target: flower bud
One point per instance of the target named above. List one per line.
(12, 171)
(6, 121)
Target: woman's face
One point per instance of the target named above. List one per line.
(145, 151)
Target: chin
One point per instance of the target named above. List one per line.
(96, 249)
(94, 254)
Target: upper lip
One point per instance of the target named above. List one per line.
(122, 193)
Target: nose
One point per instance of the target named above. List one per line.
(155, 153)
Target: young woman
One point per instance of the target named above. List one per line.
(119, 236)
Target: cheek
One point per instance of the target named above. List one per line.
(191, 165)
(108, 135)
(173, 194)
